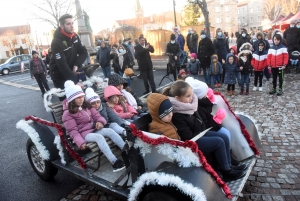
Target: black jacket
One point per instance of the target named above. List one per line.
(241, 41)
(204, 110)
(103, 56)
(126, 62)
(205, 51)
(247, 68)
(174, 50)
(192, 40)
(143, 54)
(66, 53)
(291, 36)
(188, 126)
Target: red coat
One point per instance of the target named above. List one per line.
(259, 61)
(277, 56)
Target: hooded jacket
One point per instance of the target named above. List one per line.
(230, 70)
(247, 68)
(242, 40)
(123, 110)
(66, 53)
(277, 54)
(235, 52)
(193, 67)
(157, 125)
(259, 60)
(80, 124)
(215, 68)
(255, 44)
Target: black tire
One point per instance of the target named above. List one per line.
(42, 168)
(5, 71)
(158, 196)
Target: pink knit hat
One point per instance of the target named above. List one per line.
(193, 55)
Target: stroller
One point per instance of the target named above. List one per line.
(294, 61)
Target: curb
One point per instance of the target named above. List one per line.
(19, 85)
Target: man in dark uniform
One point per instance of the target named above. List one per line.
(68, 53)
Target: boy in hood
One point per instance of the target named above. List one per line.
(230, 67)
(233, 51)
(277, 61)
(193, 67)
(215, 70)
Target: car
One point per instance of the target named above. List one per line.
(157, 168)
(14, 64)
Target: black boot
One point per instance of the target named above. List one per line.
(229, 175)
(240, 167)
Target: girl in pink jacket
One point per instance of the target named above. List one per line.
(119, 105)
(84, 124)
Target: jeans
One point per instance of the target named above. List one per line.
(294, 61)
(106, 71)
(238, 77)
(206, 75)
(245, 79)
(217, 78)
(219, 145)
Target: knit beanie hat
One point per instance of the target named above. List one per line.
(91, 96)
(193, 55)
(202, 32)
(72, 91)
(173, 37)
(199, 88)
(116, 79)
(165, 108)
(33, 52)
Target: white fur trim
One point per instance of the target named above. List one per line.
(48, 96)
(252, 119)
(183, 156)
(34, 136)
(162, 179)
(60, 149)
(244, 44)
(93, 80)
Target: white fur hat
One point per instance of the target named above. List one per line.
(91, 96)
(72, 91)
(199, 88)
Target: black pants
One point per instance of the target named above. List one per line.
(280, 73)
(258, 76)
(232, 86)
(42, 82)
(147, 75)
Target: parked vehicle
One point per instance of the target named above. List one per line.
(14, 64)
(157, 168)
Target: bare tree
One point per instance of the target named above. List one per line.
(105, 34)
(50, 10)
(127, 32)
(27, 38)
(203, 6)
(273, 9)
(9, 40)
(289, 6)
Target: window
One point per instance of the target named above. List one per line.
(251, 10)
(217, 9)
(258, 18)
(238, 11)
(251, 19)
(25, 58)
(239, 21)
(227, 19)
(258, 9)
(226, 8)
(218, 20)
(243, 20)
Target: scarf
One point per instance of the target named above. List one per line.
(130, 99)
(215, 67)
(121, 58)
(67, 34)
(244, 58)
(184, 108)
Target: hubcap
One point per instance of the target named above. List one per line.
(37, 160)
(5, 71)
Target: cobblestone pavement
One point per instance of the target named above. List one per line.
(276, 175)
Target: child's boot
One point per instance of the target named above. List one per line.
(279, 92)
(242, 91)
(233, 92)
(260, 89)
(247, 92)
(228, 93)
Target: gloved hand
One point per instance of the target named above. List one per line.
(220, 115)
(210, 95)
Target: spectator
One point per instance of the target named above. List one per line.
(244, 38)
(113, 53)
(193, 67)
(291, 35)
(68, 53)
(205, 51)
(126, 46)
(173, 50)
(260, 38)
(143, 53)
(192, 41)
(121, 61)
(103, 58)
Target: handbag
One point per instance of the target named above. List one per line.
(128, 71)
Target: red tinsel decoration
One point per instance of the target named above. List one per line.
(188, 143)
(60, 131)
(243, 127)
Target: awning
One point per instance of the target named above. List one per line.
(279, 18)
(295, 17)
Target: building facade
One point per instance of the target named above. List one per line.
(223, 14)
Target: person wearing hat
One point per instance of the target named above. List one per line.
(181, 75)
(68, 53)
(259, 63)
(205, 51)
(84, 124)
(173, 51)
(160, 109)
(189, 124)
(38, 71)
(193, 67)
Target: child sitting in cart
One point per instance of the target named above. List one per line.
(84, 124)
(113, 120)
(119, 105)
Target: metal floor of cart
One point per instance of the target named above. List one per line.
(237, 186)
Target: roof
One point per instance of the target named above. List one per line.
(17, 30)
(288, 21)
(243, 3)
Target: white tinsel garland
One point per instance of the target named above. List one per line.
(183, 156)
(34, 136)
(93, 80)
(252, 119)
(60, 149)
(48, 96)
(162, 179)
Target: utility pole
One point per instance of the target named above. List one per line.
(174, 13)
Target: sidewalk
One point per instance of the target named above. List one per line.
(276, 175)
